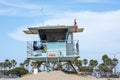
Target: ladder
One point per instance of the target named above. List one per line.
(29, 49)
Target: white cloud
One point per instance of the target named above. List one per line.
(89, 1)
(19, 4)
(97, 1)
(21, 36)
(16, 8)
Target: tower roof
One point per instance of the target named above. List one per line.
(34, 30)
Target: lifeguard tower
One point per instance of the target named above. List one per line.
(56, 45)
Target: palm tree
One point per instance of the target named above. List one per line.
(105, 59)
(9, 65)
(78, 63)
(93, 63)
(85, 61)
(21, 65)
(14, 63)
(33, 65)
(1, 65)
(114, 63)
(102, 67)
(6, 63)
(26, 63)
(108, 62)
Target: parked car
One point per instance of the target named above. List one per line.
(114, 76)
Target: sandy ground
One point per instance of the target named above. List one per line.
(58, 75)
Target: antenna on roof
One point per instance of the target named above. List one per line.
(42, 16)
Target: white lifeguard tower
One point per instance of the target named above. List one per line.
(56, 45)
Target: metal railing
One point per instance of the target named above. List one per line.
(59, 48)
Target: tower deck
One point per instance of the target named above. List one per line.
(54, 59)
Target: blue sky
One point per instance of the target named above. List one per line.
(100, 18)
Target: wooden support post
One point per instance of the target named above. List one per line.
(73, 67)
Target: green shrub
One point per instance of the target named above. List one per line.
(18, 71)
